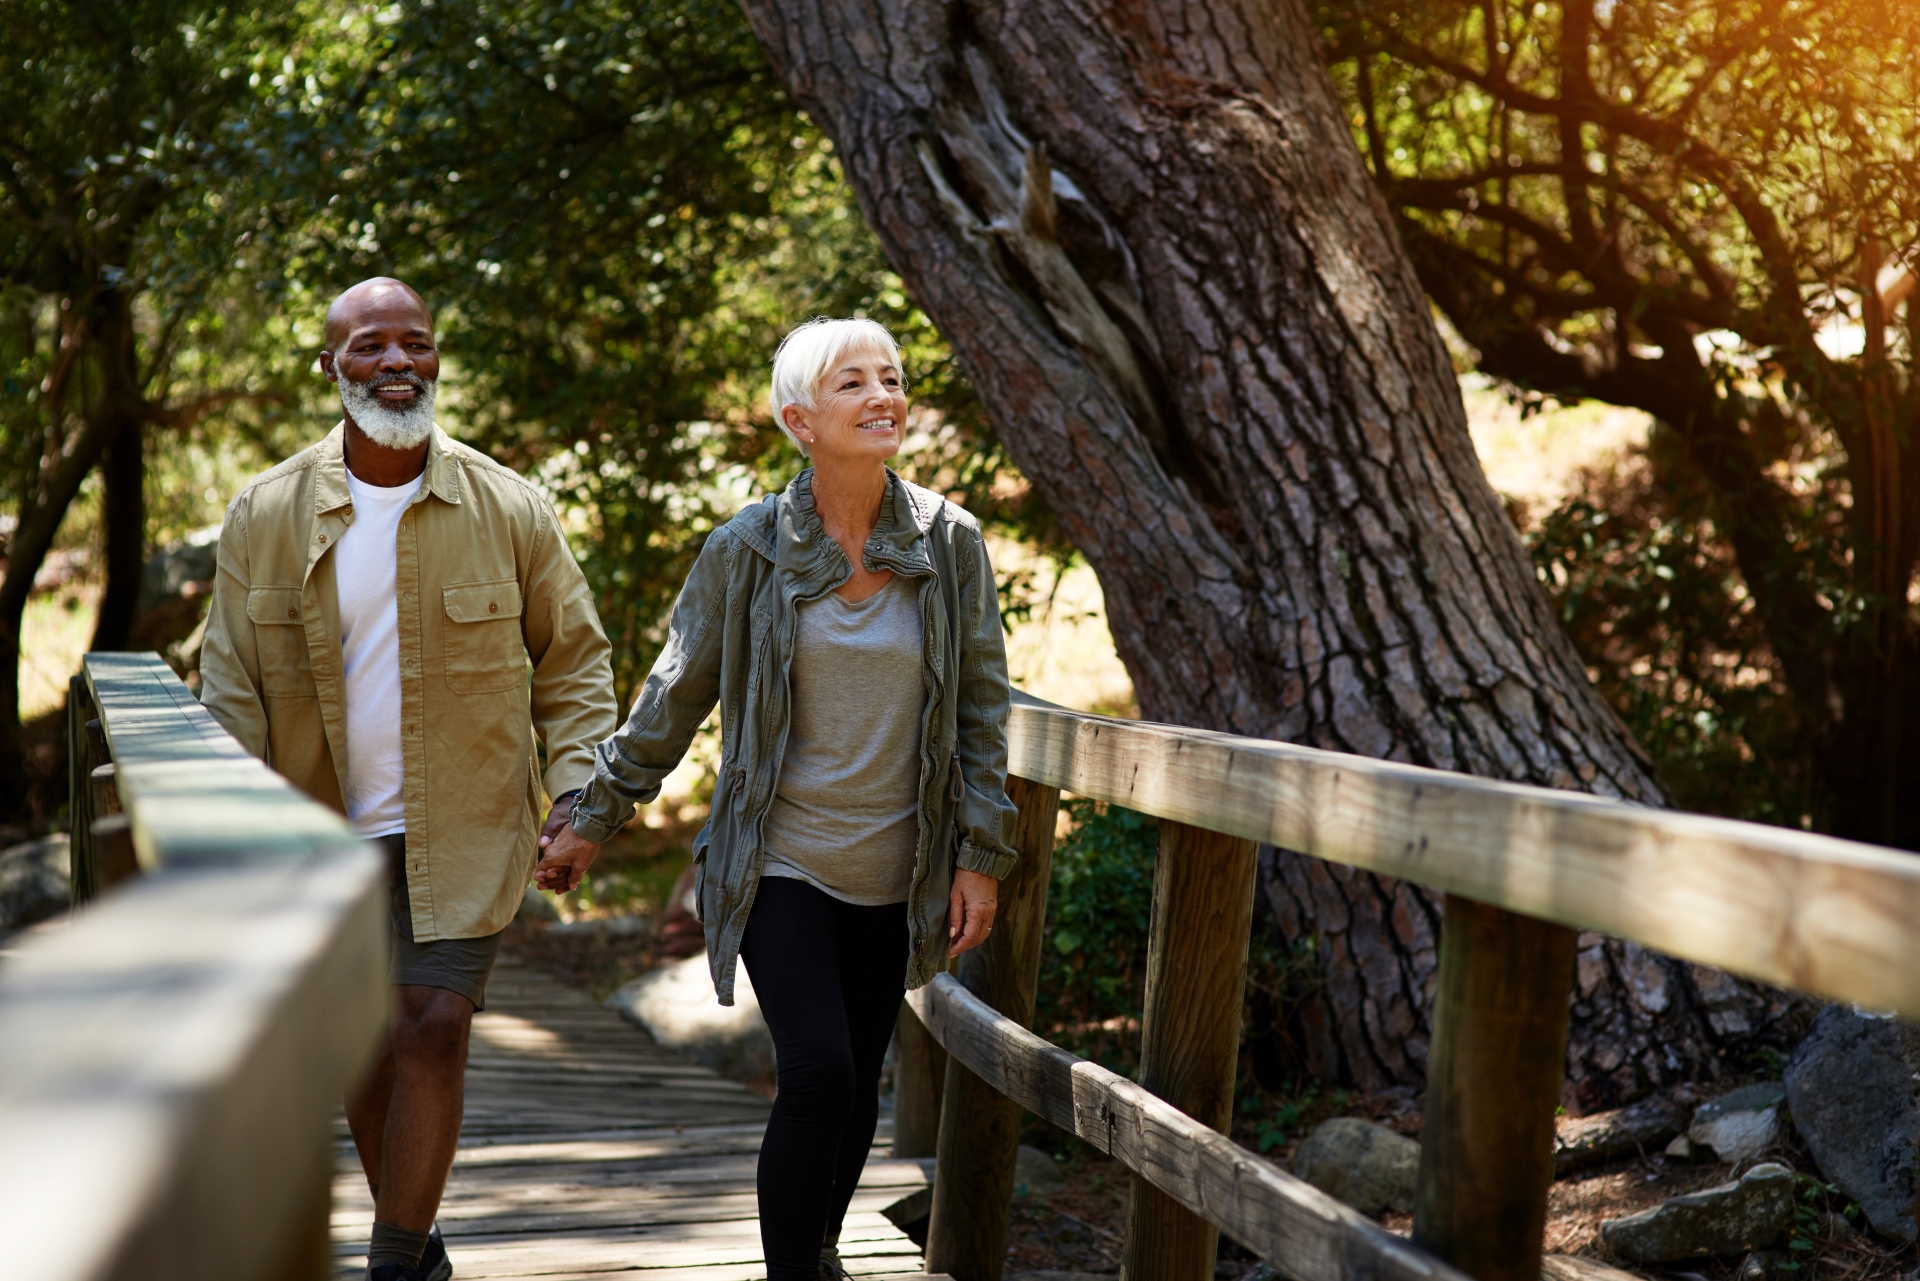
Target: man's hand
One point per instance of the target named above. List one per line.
(970, 909)
(565, 855)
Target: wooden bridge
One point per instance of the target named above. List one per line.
(173, 1058)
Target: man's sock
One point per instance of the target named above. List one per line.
(395, 1245)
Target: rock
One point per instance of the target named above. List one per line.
(1834, 1227)
(34, 882)
(536, 907)
(1607, 1136)
(1036, 1171)
(677, 1007)
(1057, 1276)
(912, 1213)
(1767, 1265)
(1852, 1090)
(1740, 1126)
(1366, 1165)
(1752, 1214)
(1574, 1267)
(1681, 1149)
(178, 569)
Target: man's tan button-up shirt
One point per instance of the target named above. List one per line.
(484, 585)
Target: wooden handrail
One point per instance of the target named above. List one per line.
(174, 1053)
(1522, 867)
(1311, 1236)
(1814, 913)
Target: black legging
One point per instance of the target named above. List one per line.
(828, 976)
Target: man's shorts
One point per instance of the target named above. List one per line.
(458, 965)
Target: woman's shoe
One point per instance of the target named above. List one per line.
(830, 1269)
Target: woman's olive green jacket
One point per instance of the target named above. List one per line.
(730, 639)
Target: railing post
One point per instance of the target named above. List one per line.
(79, 790)
(1190, 1038)
(1493, 1084)
(919, 1075)
(979, 1127)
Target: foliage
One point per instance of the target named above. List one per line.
(1654, 602)
(1099, 906)
(617, 213)
(126, 312)
(1701, 210)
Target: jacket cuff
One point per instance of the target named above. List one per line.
(590, 825)
(995, 863)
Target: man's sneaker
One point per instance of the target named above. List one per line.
(830, 1269)
(434, 1264)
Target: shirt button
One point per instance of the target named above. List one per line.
(293, 613)
(493, 609)
(323, 538)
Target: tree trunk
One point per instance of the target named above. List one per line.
(1149, 237)
(108, 322)
(125, 471)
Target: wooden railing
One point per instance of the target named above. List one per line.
(1523, 868)
(171, 1058)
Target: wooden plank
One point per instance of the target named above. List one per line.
(1283, 1219)
(169, 1056)
(1810, 912)
(1493, 1084)
(980, 1126)
(1190, 1036)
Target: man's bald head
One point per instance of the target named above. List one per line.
(381, 298)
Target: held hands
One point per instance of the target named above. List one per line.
(565, 855)
(976, 896)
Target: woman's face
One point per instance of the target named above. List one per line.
(860, 410)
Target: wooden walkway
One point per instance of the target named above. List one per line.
(589, 1151)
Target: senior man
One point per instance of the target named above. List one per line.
(380, 599)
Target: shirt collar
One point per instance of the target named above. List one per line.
(330, 492)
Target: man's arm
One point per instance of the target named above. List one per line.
(573, 705)
(229, 661)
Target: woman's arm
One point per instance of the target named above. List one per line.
(984, 814)
(679, 693)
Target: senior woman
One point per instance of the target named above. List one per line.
(849, 629)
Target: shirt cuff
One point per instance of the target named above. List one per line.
(995, 863)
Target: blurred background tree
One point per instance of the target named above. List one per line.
(130, 313)
(1706, 211)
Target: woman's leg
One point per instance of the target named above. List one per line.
(873, 973)
(793, 955)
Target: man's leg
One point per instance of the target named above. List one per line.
(367, 1108)
(427, 1089)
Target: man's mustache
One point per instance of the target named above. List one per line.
(395, 380)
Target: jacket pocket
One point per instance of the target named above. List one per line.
(280, 641)
(485, 652)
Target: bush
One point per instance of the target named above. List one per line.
(1093, 961)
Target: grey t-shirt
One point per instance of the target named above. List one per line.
(845, 813)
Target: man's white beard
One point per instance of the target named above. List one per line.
(384, 425)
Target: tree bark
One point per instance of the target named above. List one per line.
(1148, 235)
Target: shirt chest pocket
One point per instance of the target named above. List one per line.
(485, 653)
(280, 641)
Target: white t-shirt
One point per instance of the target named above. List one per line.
(363, 575)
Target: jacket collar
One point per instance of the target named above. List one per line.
(898, 542)
(330, 492)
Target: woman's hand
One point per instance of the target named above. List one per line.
(976, 896)
(565, 855)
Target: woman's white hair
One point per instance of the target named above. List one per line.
(813, 348)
